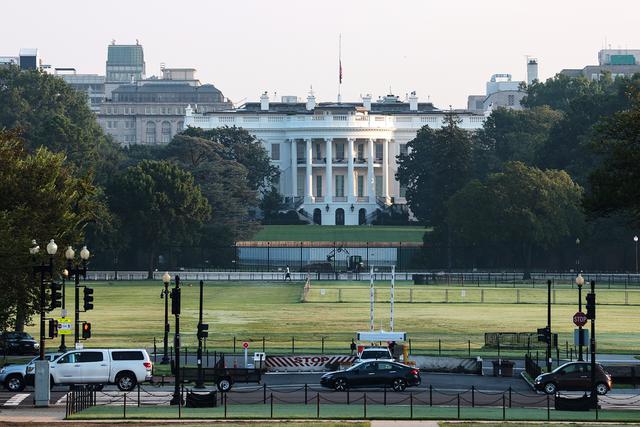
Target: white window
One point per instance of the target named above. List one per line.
(275, 151)
(403, 190)
(378, 185)
(301, 183)
(165, 136)
(319, 185)
(378, 151)
(339, 185)
(180, 126)
(339, 151)
(318, 152)
(511, 100)
(404, 150)
(360, 185)
(151, 133)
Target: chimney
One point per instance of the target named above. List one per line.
(188, 111)
(264, 102)
(366, 102)
(311, 101)
(413, 101)
(532, 70)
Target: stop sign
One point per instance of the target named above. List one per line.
(580, 319)
(246, 344)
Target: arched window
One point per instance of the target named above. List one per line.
(165, 134)
(180, 126)
(151, 133)
(339, 216)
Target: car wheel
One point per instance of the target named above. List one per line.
(550, 388)
(340, 384)
(399, 384)
(14, 383)
(224, 384)
(126, 381)
(602, 389)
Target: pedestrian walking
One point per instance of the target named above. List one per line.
(353, 347)
(287, 274)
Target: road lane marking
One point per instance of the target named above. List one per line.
(16, 399)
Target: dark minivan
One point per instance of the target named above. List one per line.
(573, 376)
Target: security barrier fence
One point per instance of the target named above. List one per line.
(311, 401)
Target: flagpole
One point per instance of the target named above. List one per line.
(340, 68)
(371, 300)
(392, 297)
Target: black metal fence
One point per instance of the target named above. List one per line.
(79, 398)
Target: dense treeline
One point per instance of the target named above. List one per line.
(545, 187)
(158, 207)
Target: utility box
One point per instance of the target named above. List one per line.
(41, 381)
(259, 360)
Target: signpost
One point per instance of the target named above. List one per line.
(65, 326)
(580, 319)
(245, 345)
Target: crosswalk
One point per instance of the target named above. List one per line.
(16, 399)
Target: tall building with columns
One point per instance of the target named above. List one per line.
(337, 161)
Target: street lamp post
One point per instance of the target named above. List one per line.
(65, 275)
(579, 283)
(635, 239)
(550, 336)
(76, 271)
(577, 255)
(594, 392)
(175, 309)
(200, 380)
(165, 294)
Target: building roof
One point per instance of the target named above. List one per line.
(159, 86)
(119, 54)
(376, 108)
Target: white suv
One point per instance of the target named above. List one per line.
(375, 353)
(122, 367)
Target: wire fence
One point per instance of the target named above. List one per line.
(312, 401)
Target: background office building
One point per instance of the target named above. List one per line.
(337, 161)
(617, 62)
(503, 91)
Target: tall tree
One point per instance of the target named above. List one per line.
(159, 205)
(614, 186)
(241, 146)
(42, 198)
(438, 163)
(521, 207)
(51, 114)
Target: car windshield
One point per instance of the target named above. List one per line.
(375, 354)
(354, 367)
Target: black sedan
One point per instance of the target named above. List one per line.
(18, 343)
(373, 374)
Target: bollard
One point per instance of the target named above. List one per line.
(263, 344)
(124, 407)
(509, 397)
(439, 347)
(225, 404)
(348, 397)
(469, 347)
(548, 409)
(271, 399)
(305, 393)
(234, 344)
(317, 405)
(504, 408)
(186, 353)
(409, 345)
(293, 345)
(264, 393)
(458, 405)
(385, 395)
(430, 395)
(322, 348)
(138, 395)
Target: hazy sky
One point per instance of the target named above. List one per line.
(443, 49)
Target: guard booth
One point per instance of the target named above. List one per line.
(382, 339)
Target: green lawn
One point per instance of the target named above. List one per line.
(347, 233)
(131, 314)
(354, 411)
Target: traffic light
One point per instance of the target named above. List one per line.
(53, 328)
(56, 295)
(88, 298)
(175, 301)
(86, 330)
(544, 334)
(591, 306)
(203, 330)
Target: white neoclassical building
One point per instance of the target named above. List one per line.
(337, 161)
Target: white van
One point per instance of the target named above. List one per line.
(122, 367)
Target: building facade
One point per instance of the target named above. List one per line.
(617, 62)
(337, 161)
(91, 84)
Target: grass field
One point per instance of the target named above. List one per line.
(347, 233)
(355, 411)
(131, 314)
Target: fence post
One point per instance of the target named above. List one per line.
(509, 397)
(305, 393)
(469, 347)
(186, 352)
(439, 347)
(409, 345)
(548, 409)
(348, 397)
(271, 399)
(293, 345)
(411, 404)
(566, 348)
(504, 409)
(473, 396)
(430, 395)
(458, 405)
(155, 350)
(138, 395)
(234, 344)
(264, 393)
(364, 402)
(322, 348)
(317, 405)
(385, 395)
(225, 404)
(124, 407)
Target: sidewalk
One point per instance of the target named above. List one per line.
(391, 423)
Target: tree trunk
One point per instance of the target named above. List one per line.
(152, 255)
(22, 308)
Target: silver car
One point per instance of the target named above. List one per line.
(13, 376)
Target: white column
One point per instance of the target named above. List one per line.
(309, 187)
(351, 195)
(385, 172)
(294, 168)
(371, 179)
(328, 173)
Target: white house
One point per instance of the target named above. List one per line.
(337, 160)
